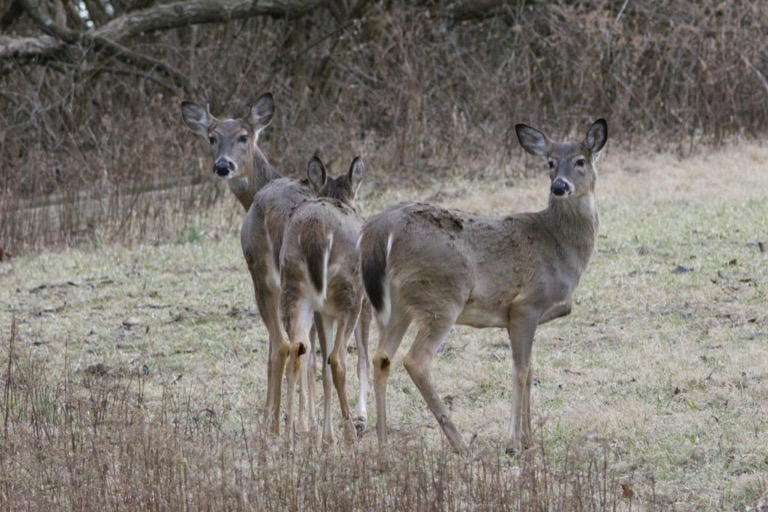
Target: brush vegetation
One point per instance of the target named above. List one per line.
(424, 91)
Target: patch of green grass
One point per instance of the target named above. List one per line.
(192, 235)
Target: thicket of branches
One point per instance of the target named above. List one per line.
(90, 91)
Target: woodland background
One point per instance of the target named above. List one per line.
(423, 90)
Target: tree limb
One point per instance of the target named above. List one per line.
(143, 62)
(160, 17)
(476, 10)
(9, 13)
(48, 25)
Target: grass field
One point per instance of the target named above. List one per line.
(138, 374)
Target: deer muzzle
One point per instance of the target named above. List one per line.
(560, 187)
(223, 167)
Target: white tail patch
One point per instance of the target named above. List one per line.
(326, 260)
(386, 309)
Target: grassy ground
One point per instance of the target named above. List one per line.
(141, 371)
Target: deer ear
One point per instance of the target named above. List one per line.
(597, 137)
(316, 174)
(533, 141)
(196, 117)
(262, 111)
(356, 171)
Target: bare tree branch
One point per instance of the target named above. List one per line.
(9, 13)
(110, 47)
(161, 17)
(48, 25)
(145, 63)
(477, 10)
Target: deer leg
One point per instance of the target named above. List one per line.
(521, 330)
(262, 294)
(298, 318)
(296, 357)
(325, 326)
(311, 372)
(418, 363)
(307, 383)
(338, 364)
(557, 311)
(267, 302)
(391, 337)
(362, 331)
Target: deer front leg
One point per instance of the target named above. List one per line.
(521, 330)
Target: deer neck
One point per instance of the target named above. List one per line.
(574, 222)
(254, 179)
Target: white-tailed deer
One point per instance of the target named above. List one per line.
(269, 199)
(320, 273)
(439, 267)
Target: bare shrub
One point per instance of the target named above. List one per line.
(424, 91)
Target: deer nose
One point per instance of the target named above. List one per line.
(560, 187)
(223, 167)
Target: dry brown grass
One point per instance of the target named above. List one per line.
(137, 374)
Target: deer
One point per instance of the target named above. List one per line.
(320, 274)
(268, 199)
(437, 267)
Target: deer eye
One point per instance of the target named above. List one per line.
(212, 140)
(551, 164)
(243, 139)
(581, 162)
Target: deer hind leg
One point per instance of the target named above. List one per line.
(298, 320)
(391, 337)
(267, 301)
(311, 372)
(296, 359)
(338, 364)
(325, 334)
(362, 331)
(307, 409)
(521, 330)
(418, 362)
